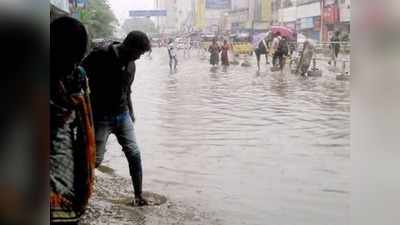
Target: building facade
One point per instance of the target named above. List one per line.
(316, 19)
(169, 23)
(179, 15)
(345, 15)
(304, 16)
(251, 15)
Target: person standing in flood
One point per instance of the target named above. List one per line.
(111, 72)
(262, 48)
(282, 52)
(224, 54)
(187, 47)
(214, 51)
(274, 48)
(173, 60)
(335, 46)
(305, 58)
(72, 140)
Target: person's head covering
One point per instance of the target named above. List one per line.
(68, 44)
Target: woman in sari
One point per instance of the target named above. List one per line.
(224, 54)
(214, 49)
(72, 142)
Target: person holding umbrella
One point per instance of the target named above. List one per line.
(282, 52)
(274, 48)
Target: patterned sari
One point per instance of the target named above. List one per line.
(72, 147)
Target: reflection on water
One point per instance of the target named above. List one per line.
(248, 147)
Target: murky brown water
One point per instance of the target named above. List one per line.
(240, 146)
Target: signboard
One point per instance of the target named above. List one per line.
(266, 11)
(144, 13)
(218, 4)
(306, 23)
(330, 14)
(200, 14)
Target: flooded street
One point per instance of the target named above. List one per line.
(241, 147)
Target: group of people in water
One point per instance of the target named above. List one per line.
(282, 50)
(275, 45)
(216, 51)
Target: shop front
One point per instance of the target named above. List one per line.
(345, 16)
(330, 14)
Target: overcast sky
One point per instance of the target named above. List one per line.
(121, 7)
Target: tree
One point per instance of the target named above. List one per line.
(99, 19)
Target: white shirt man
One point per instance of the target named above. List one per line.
(275, 42)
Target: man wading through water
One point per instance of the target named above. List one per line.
(111, 71)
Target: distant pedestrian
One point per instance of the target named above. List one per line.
(214, 51)
(335, 46)
(111, 73)
(305, 58)
(173, 60)
(187, 47)
(262, 48)
(274, 48)
(282, 52)
(224, 54)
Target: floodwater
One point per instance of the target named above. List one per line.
(241, 147)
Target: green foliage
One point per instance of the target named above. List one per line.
(99, 19)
